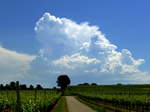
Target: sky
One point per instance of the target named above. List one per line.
(101, 41)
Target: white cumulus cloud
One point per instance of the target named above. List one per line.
(13, 65)
(74, 61)
(70, 45)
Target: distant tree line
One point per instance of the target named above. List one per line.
(13, 86)
(95, 84)
(87, 84)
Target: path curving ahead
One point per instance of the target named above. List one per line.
(76, 106)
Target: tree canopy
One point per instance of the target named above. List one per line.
(63, 81)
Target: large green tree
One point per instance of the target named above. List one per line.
(63, 81)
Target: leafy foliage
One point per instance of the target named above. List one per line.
(29, 103)
(131, 97)
(63, 81)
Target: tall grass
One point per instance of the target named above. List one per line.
(27, 100)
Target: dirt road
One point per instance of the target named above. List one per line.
(75, 106)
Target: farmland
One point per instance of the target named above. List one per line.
(119, 97)
(103, 98)
(28, 100)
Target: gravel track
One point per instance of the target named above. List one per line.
(76, 106)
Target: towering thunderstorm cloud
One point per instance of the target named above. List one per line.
(79, 49)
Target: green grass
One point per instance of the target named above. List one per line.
(94, 107)
(61, 106)
(132, 97)
(100, 107)
(31, 100)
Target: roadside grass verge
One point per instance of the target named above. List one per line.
(94, 107)
(61, 105)
(100, 107)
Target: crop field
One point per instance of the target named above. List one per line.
(27, 100)
(115, 97)
(102, 98)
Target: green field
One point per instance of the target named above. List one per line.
(120, 97)
(103, 98)
(28, 100)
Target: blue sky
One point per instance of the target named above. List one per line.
(124, 23)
